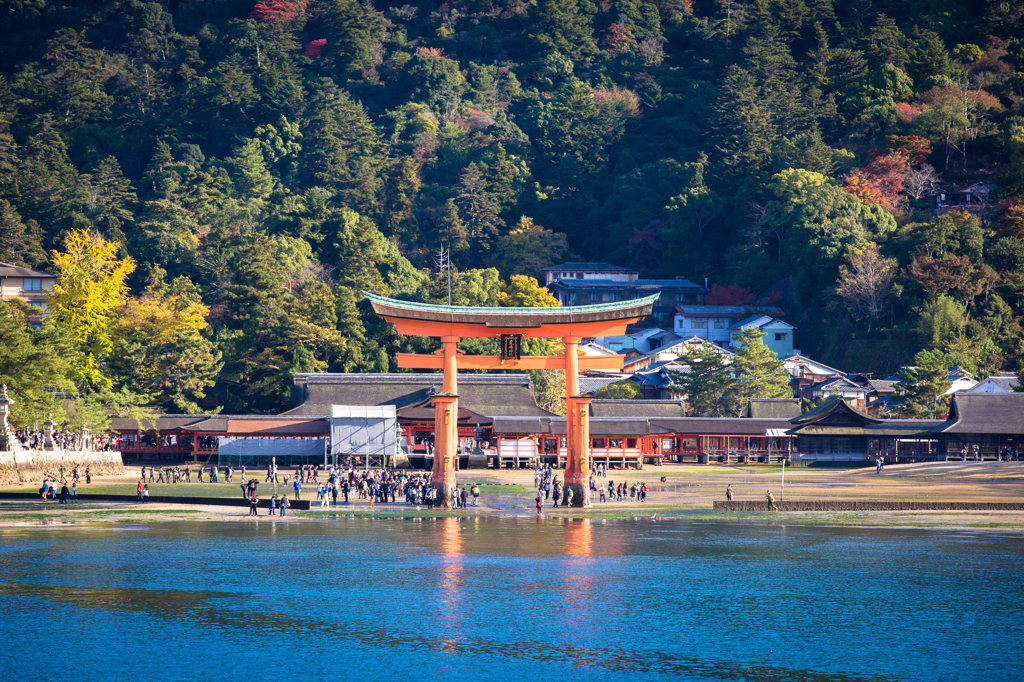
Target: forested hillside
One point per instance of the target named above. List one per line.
(263, 164)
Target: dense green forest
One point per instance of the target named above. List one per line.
(262, 164)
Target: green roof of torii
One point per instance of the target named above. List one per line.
(579, 312)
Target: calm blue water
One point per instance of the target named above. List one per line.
(508, 599)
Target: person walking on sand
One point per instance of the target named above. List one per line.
(728, 492)
(771, 501)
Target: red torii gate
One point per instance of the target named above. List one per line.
(451, 324)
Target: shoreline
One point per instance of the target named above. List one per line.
(688, 493)
(21, 515)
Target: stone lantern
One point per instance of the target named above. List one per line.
(6, 435)
(85, 438)
(48, 432)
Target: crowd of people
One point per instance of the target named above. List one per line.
(384, 486)
(545, 480)
(373, 486)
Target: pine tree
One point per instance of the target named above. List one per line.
(354, 29)
(887, 43)
(20, 243)
(759, 373)
(565, 26)
(919, 392)
(747, 133)
(111, 200)
(479, 209)
(709, 385)
(342, 149)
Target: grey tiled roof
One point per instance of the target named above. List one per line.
(774, 408)
(992, 413)
(635, 284)
(594, 384)
(726, 426)
(587, 266)
(8, 270)
(492, 395)
(637, 408)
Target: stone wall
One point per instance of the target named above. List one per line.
(860, 505)
(27, 466)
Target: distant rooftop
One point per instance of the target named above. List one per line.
(635, 284)
(725, 310)
(8, 270)
(588, 266)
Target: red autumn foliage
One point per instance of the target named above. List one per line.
(314, 48)
(864, 188)
(881, 181)
(277, 10)
(917, 148)
(619, 38)
(906, 113)
(433, 51)
(730, 295)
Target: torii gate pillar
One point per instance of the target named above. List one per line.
(446, 426)
(577, 428)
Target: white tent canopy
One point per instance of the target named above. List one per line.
(364, 431)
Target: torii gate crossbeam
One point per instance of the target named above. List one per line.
(451, 324)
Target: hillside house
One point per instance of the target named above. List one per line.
(778, 335)
(713, 322)
(28, 285)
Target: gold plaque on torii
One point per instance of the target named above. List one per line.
(511, 347)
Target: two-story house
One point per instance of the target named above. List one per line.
(578, 271)
(807, 372)
(1006, 382)
(30, 286)
(778, 335)
(591, 283)
(713, 322)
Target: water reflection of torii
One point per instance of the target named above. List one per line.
(451, 324)
(449, 533)
(578, 575)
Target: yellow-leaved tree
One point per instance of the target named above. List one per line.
(162, 344)
(523, 291)
(89, 290)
